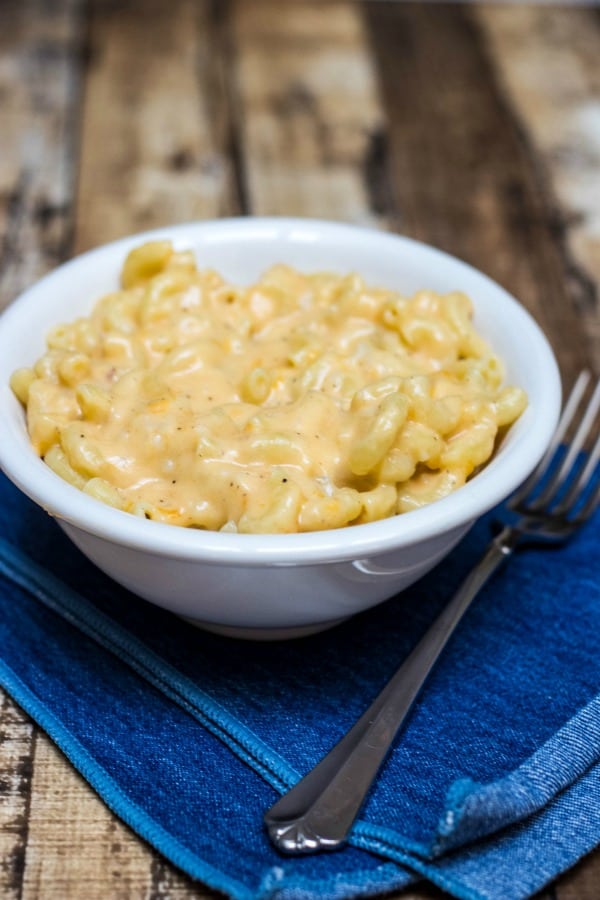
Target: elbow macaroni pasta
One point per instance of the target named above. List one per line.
(302, 402)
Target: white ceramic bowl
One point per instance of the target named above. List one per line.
(278, 585)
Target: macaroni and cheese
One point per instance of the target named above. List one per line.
(302, 402)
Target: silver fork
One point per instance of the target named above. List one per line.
(318, 812)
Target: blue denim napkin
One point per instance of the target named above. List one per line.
(492, 790)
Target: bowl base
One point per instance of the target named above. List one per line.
(264, 634)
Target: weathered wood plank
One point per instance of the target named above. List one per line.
(309, 116)
(465, 175)
(155, 127)
(77, 848)
(39, 62)
(582, 882)
(17, 744)
(561, 114)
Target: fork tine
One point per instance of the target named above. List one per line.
(574, 448)
(573, 400)
(579, 484)
(589, 507)
(584, 479)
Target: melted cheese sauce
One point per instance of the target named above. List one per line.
(301, 402)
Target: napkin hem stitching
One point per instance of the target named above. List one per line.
(421, 867)
(117, 640)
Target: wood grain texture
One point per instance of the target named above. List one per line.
(308, 109)
(582, 882)
(39, 98)
(434, 120)
(17, 747)
(465, 173)
(155, 131)
(562, 117)
(76, 848)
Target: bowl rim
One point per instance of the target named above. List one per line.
(492, 484)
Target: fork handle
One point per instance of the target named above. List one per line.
(317, 812)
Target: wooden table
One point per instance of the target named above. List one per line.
(472, 127)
